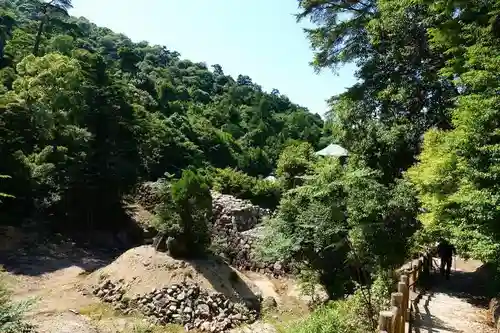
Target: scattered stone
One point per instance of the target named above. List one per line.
(184, 304)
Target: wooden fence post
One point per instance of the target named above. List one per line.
(406, 295)
(403, 289)
(385, 321)
(396, 303)
(394, 321)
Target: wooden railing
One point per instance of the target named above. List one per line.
(394, 320)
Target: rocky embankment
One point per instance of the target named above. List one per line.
(236, 230)
(148, 195)
(183, 303)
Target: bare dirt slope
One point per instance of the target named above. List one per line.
(59, 276)
(455, 305)
(143, 269)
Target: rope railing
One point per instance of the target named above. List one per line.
(395, 319)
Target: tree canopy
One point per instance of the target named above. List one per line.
(86, 114)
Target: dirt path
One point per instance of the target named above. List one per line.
(456, 305)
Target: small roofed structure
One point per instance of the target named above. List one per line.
(333, 150)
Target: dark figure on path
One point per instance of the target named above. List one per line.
(446, 251)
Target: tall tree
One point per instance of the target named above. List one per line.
(458, 177)
(48, 11)
(7, 22)
(399, 93)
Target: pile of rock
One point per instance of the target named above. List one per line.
(239, 249)
(235, 228)
(236, 214)
(236, 231)
(148, 195)
(184, 304)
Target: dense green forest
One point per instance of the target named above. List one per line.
(422, 127)
(86, 115)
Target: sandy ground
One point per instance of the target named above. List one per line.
(59, 278)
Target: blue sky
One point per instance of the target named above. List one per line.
(258, 38)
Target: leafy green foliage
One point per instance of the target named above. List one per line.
(265, 193)
(336, 317)
(86, 114)
(294, 161)
(48, 13)
(457, 176)
(12, 314)
(234, 182)
(342, 215)
(399, 94)
(356, 313)
(186, 212)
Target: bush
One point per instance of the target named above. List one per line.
(186, 213)
(234, 182)
(266, 193)
(336, 317)
(12, 314)
(259, 191)
(295, 161)
(356, 313)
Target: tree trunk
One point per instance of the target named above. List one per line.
(38, 39)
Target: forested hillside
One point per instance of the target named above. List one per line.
(86, 114)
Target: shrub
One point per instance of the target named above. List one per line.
(234, 182)
(186, 212)
(12, 314)
(266, 193)
(294, 161)
(356, 313)
(260, 192)
(336, 317)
